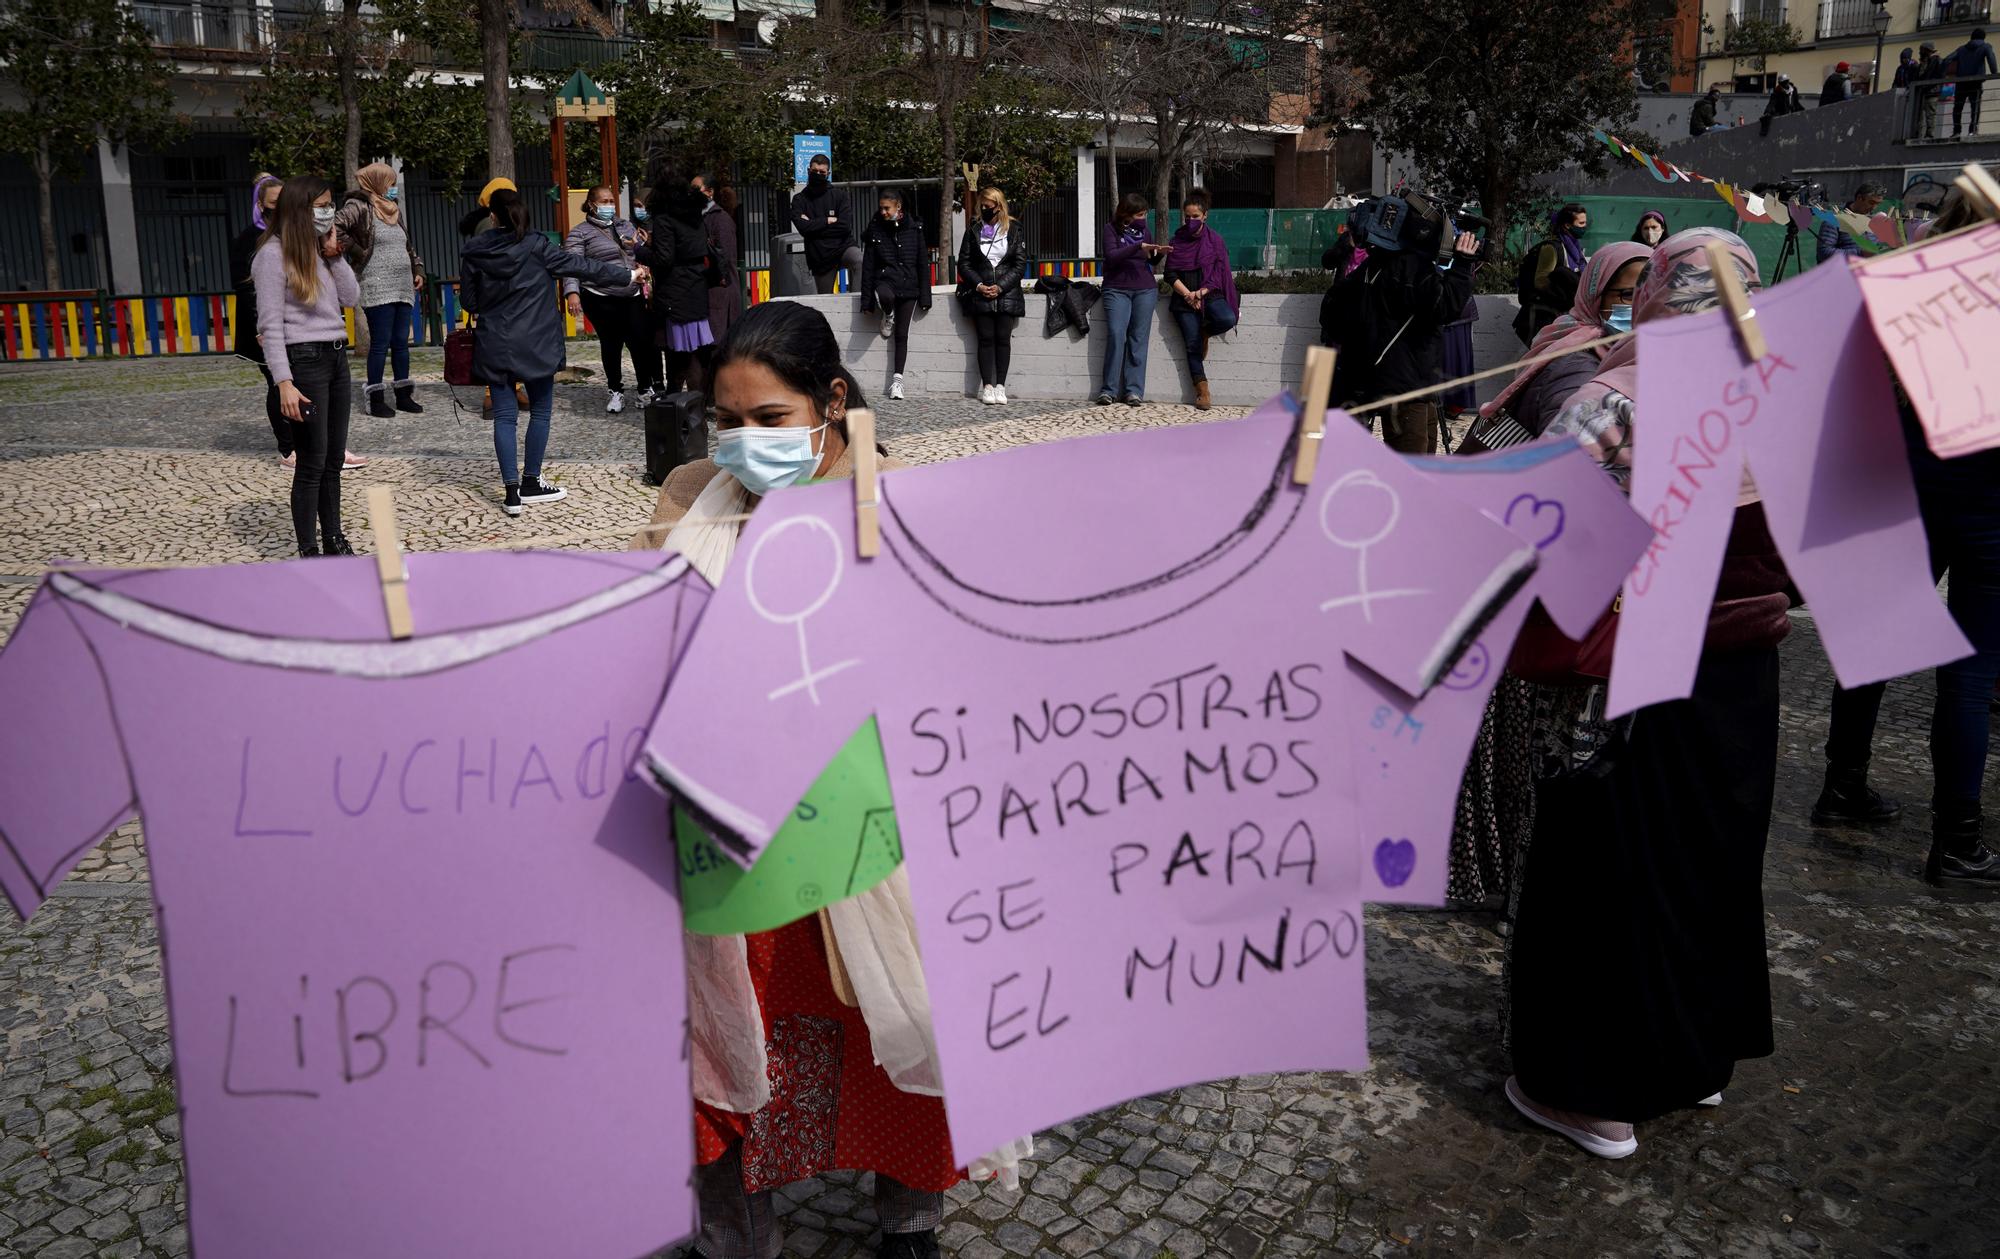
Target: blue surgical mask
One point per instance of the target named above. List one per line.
(639, 214)
(766, 459)
(604, 213)
(394, 194)
(1618, 319)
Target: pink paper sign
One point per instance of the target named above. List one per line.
(1936, 310)
(418, 920)
(1410, 755)
(1816, 422)
(1112, 716)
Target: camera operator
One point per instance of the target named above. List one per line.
(1385, 316)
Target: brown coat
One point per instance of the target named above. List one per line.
(685, 484)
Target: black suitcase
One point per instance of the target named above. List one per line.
(676, 433)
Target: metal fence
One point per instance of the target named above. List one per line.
(79, 215)
(1945, 12)
(1943, 110)
(1838, 18)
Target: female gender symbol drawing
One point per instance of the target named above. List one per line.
(809, 678)
(1356, 536)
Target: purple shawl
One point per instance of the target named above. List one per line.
(1208, 254)
(1572, 247)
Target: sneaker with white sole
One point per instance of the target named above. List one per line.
(536, 490)
(896, 387)
(615, 403)
(888, 324)
(986, 394)
(1601, 1137)
(511, 504)
(1713, 1099)
(1000, 395)
(289, 461)
(348, 459)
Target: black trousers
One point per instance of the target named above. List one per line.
(904, 309)
(996, 344)
(621, 322)
(1966, 97)
(319, 371)
(281, 428)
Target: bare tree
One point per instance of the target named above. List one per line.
(496, 36)
(1092, 52)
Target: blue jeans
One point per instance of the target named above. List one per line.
(389, 332)
(541, 403)
(1128, 323)
(1220, 319)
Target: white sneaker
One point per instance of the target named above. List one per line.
(1000, 395)
(986, 394)
(888, 324)
(896, 387)
(615, 403)
(1713, 1099)
(1601, 1137)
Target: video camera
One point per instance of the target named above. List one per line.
(1412, 222)
(1809, 191)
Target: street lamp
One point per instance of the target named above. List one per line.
(1881, 32)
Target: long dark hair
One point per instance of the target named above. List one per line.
(796, 344)
(291, 225)
(673, 197)
(1133, 205)
(509, 211)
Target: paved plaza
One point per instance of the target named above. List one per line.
(1873, 1130)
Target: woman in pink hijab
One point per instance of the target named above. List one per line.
(1637, 971)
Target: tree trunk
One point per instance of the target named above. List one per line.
(1111, 148)
(948, 234)
(1165, 152)
(496, 23)
(45, 205)
(350, 89)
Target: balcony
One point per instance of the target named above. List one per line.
(1839, 19)
(1932, 13)
(1751, 18)
(234, 31)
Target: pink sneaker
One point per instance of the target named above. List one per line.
(354, 461)
(289, 461)
(1601, 1137)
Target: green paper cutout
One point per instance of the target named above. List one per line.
(840, 841)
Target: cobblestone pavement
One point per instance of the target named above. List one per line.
(1873, 1130)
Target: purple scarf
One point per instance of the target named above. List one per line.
(1207, 254)
(257, 200)
(1572, 247)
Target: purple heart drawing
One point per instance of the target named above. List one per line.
(1543, 516)
(1470, 671)
(1395, 859)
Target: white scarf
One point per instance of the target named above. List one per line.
(875, 932)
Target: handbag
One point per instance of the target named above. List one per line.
(458, 346)
(1543, 653)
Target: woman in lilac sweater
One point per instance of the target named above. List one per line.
(302, 282)
(1130, 293)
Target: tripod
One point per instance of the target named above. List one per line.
(1788, 254)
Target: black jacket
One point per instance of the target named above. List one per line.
(677, 253)
(241, 251)
(974, 270)
(1385, 316)
(1835, 90)
(1784, 100)
(895, 258)
(509, 283)
(825, 241)
(1703, 116)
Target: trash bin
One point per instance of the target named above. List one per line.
(789, 274)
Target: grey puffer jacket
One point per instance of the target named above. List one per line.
(600, 242)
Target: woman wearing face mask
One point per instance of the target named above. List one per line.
(615, 311)
(506, 277)
(895, 275)
(1130, 293)
(1204, 301)
(384, 258)
(1638, 971)
(1496, 799)
(991, 261)
(676, 251)
(302, 282)
(1652, 229)
(764, 1005)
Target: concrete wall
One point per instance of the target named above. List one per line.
(1265, 353)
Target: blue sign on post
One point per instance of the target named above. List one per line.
(807, 147)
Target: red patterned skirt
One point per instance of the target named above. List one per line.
(831, 1107)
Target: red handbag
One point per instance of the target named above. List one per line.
(1543, 653)
(458, 356)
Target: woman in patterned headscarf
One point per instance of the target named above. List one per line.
(1637, 968)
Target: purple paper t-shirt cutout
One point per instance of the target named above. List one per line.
(418, 916)
(1816, 420)
(1410, 756)
(1106, 673)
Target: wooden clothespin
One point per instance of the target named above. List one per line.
(1981, 188)
(1314, 391)
(867, 523)
(1729, 285)
(389, 560)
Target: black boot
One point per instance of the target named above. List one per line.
(1848, 800)
(337, 544)
(378, 403)
(922, 1245)
(406, 398)
(1959, 862)
(308, 552)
